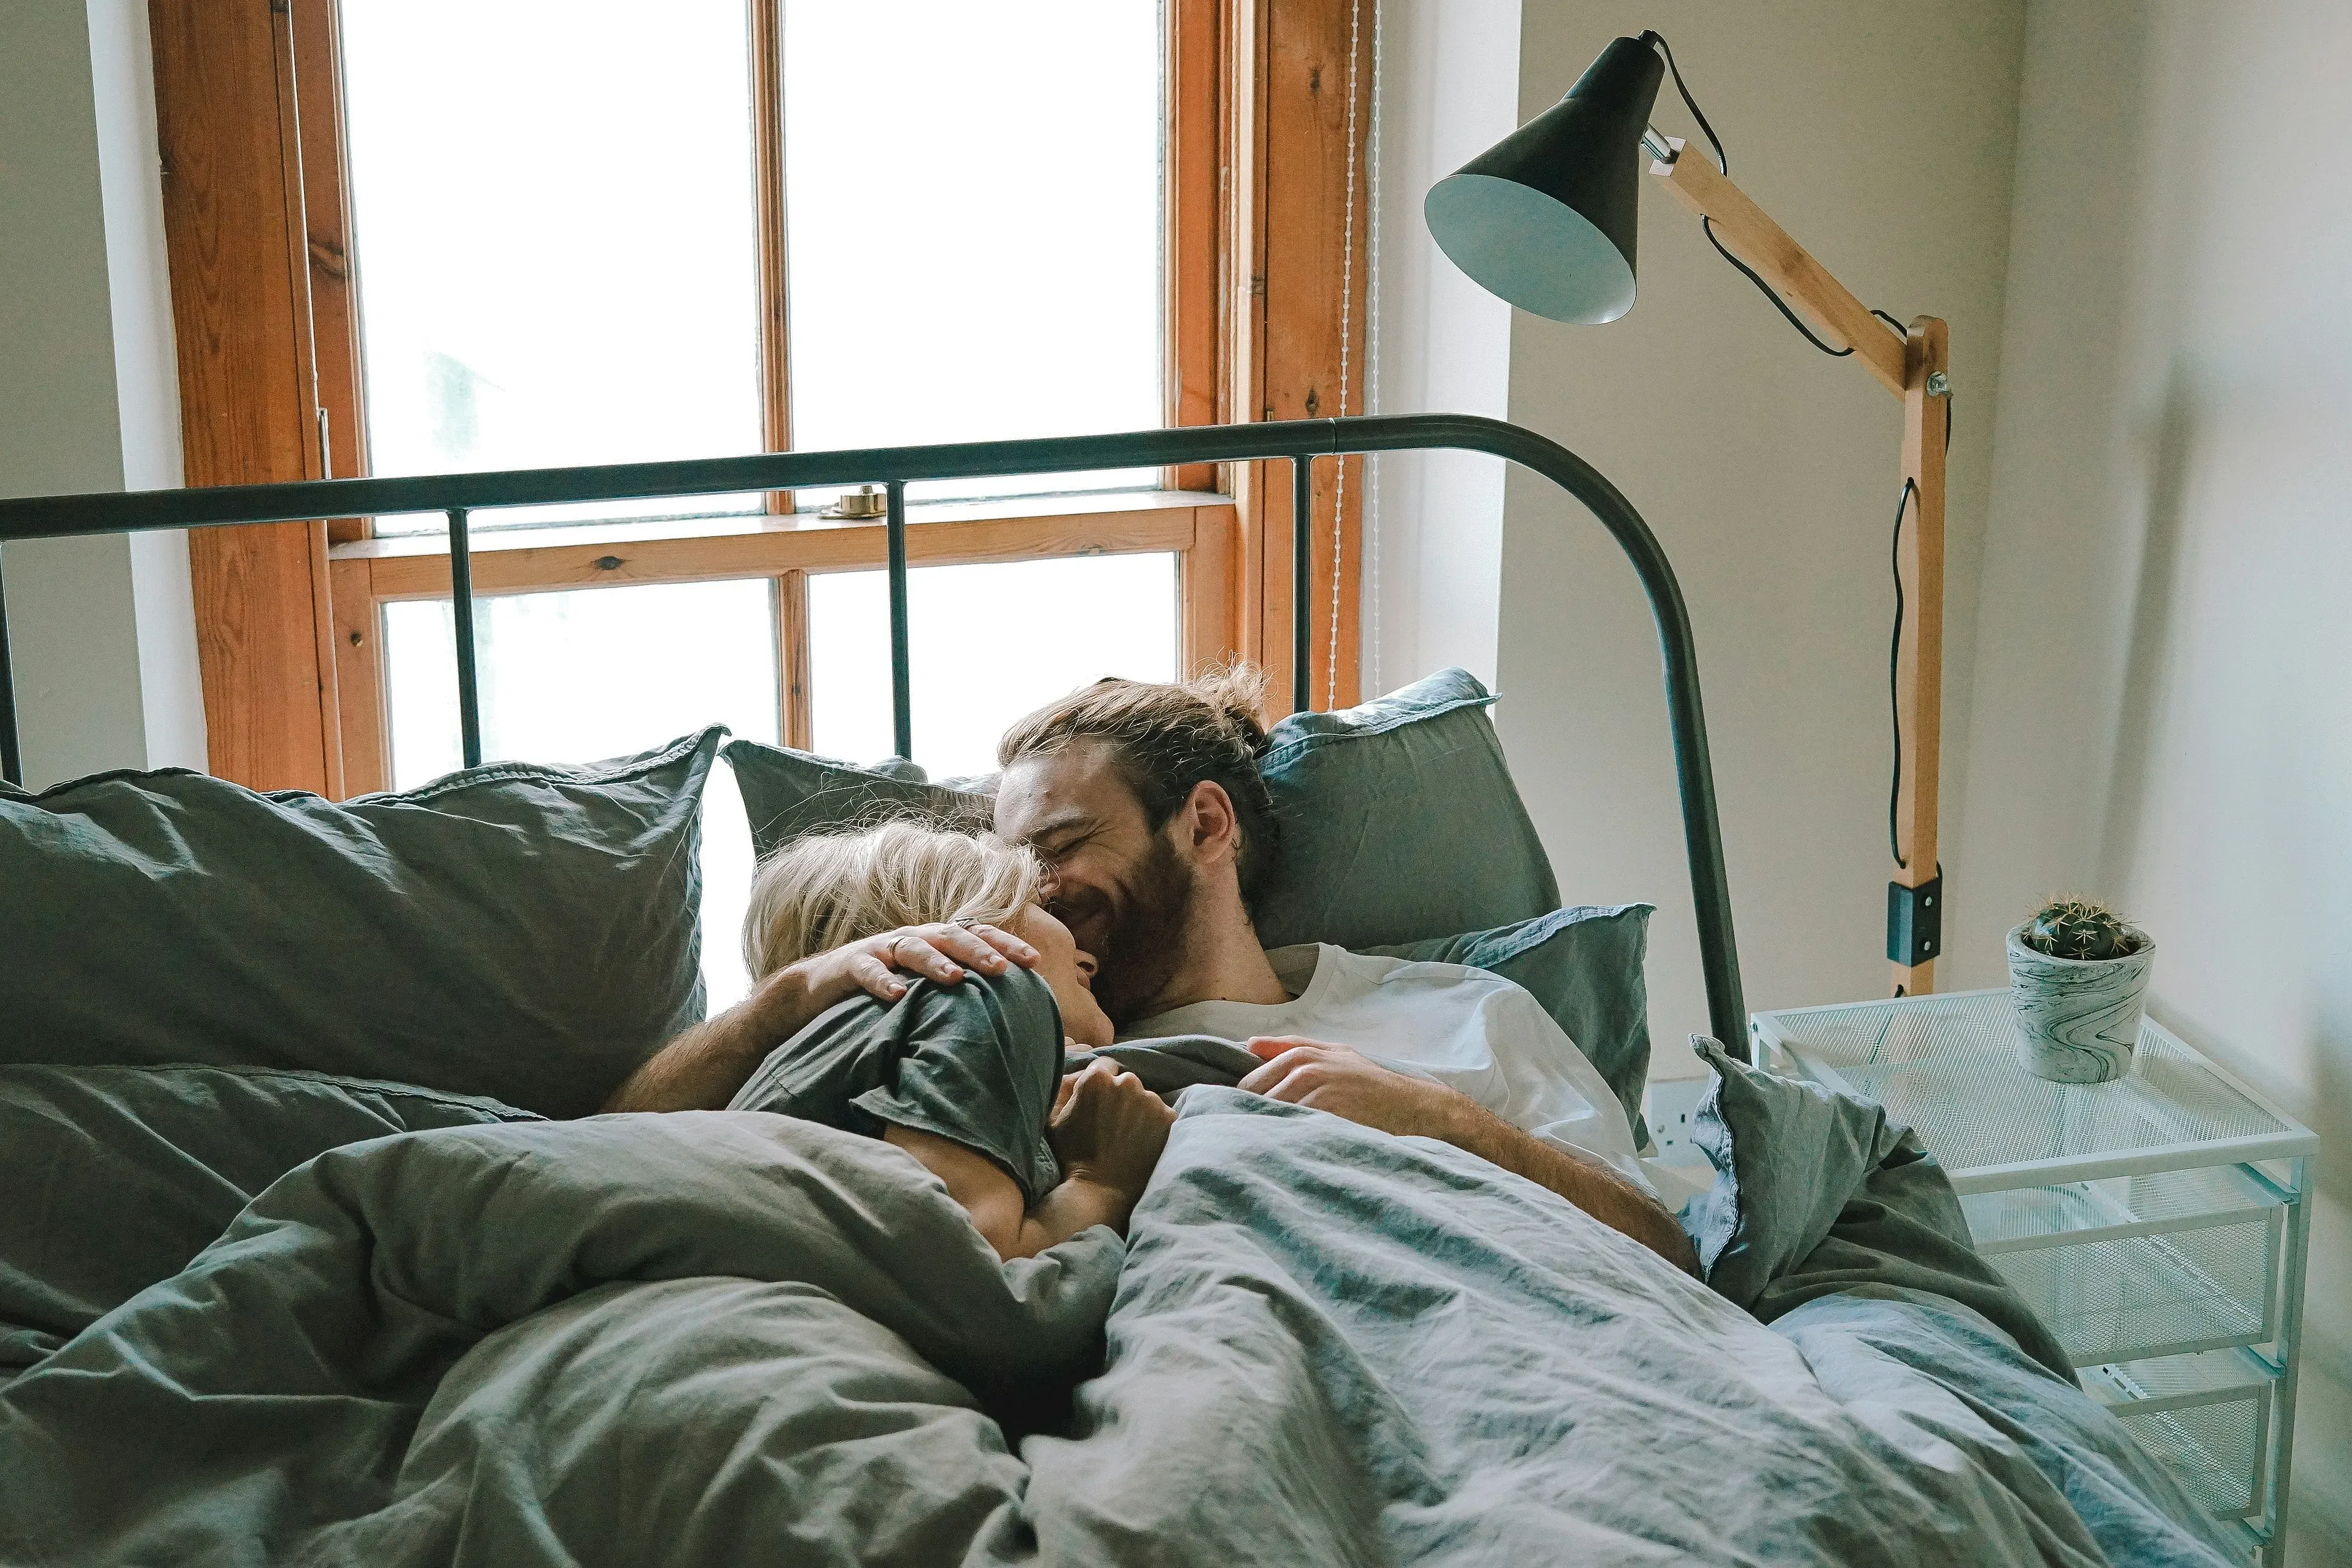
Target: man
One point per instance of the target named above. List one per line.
(1146, 803)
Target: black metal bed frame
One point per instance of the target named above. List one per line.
(1299, 441)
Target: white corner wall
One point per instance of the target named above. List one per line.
(101, 630)
(1449, 89)
(1883, 139)
(2162, 650)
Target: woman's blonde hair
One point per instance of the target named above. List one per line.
(826, 889)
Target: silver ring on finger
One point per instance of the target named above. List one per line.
(967, 922)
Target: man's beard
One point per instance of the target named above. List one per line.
(1144, 945)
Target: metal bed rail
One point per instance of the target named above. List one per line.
(1300, 441)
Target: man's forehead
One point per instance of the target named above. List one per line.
(1076, 787)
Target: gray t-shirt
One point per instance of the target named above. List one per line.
(976, 1063)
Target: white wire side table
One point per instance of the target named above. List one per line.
(2158, 1223)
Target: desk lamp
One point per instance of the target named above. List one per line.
(1545, 219)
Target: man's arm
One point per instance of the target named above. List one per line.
(702, 1068)
(1339, 1080)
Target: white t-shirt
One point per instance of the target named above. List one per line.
(1462, 1027)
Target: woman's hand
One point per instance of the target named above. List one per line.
(939, 952)
(1108, 1128)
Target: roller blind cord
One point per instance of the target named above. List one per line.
(1347, 314)
(1373, 363)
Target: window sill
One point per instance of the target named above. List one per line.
(1065, 509)
(1202, 527)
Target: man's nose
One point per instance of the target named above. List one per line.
(1087, 965)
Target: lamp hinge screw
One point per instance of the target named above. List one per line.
(1938, 384)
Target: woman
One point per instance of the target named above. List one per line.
(966, 1078)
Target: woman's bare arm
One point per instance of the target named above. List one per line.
(993, 1200)
(1106, 1129)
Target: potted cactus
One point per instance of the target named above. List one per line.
(2078, 980)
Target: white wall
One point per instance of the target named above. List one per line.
(101, 629)
(2162, 649)
(1449, 89)
(1881, 138)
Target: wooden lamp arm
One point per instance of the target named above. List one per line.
(1787, 265)
(1914, 367)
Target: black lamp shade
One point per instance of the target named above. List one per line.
(1544, 217)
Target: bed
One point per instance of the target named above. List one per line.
(311, 1253)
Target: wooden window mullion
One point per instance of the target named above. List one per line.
(326, 224)
(793, 658)
(228, 123)
(767, 30)
(1195, 89)
(1293, 155)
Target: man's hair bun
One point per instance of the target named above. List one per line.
(1169, 737)
(1238, 692)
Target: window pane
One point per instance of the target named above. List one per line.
(601, 672)
(553, 218)
(987, 644)
(973, 196)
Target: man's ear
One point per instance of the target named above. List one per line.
(1210, 830)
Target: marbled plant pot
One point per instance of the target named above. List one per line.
(2077, 1019)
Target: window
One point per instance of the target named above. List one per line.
(593, 674)
(1105, 613)
(554, 221)
(414, 235)
(972, 196)
(558, 254)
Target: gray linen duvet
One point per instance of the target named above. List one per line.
(730, 1337)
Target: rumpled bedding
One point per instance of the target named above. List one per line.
(728, 1336)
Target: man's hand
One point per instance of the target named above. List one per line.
(1343, 1081)
(1108, 1128)
(702, 1068)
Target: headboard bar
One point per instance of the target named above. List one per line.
(1299, 440)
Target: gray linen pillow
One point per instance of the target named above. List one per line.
(1398, 821)
(788, 793)
(118, 1176)
(529, 933)
(1584, 964)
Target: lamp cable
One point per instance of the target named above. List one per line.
(1723, 162)
(1910, 486)
(1893, 679)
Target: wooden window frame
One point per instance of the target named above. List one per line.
(290, 615)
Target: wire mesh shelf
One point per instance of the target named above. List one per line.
(2140, 1266)
(2206, 1416)
(2151, 1295)
(2015, 1218)
(2157, 1223)
(1940, 1064)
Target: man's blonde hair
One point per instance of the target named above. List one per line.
(826, 889)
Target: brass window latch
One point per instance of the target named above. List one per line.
(862, 504)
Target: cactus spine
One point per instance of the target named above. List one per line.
(2084, 930)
